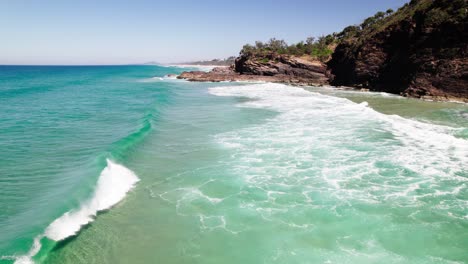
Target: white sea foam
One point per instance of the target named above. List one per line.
(170, 77)
(296, 104)
(27, 259)
(326, 169)
(343, 150)
(112, 186)
(165, 78)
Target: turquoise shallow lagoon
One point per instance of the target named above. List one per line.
(120, 164)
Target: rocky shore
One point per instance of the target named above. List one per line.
(419, 51)
(268, 68)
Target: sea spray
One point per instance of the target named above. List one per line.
(113, 184)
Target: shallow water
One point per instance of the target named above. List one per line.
(229, 173)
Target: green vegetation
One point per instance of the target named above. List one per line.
(435, 13)
(439, 13)
(369, 24)
(321, 48)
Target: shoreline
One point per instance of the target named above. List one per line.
(180, 124)
(228, 74)
(225, 74)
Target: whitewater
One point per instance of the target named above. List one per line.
(113, 184)
(128, 165)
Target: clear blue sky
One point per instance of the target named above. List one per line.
(136, 31)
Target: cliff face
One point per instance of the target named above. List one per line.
(420, 51)
(282, 66)
(271, 67)
(273, 64)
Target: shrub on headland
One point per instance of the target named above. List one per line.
(320, 48)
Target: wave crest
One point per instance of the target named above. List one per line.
(113, 184)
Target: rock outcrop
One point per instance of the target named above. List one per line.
(274, 64)
(269, 68)
(420, 51)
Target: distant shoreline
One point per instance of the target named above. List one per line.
(205, 68)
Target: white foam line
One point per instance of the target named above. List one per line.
(112, 186)
(310, 122)
(297, 103)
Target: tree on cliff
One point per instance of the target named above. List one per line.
(322, 47)
(316, 48)
(420, 50)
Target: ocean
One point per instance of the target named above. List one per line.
(122, 164)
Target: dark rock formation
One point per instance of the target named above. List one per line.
(270, 68)
(273, 64)
(420, 51)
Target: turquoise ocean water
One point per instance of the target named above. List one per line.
(120, 164)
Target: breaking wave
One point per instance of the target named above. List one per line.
(114, 182)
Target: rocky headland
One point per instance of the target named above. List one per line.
(418, 51)
(270, 67)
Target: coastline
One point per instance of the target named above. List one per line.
(226, 74)
(199, 132)
(205, 68)
(202, 211)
